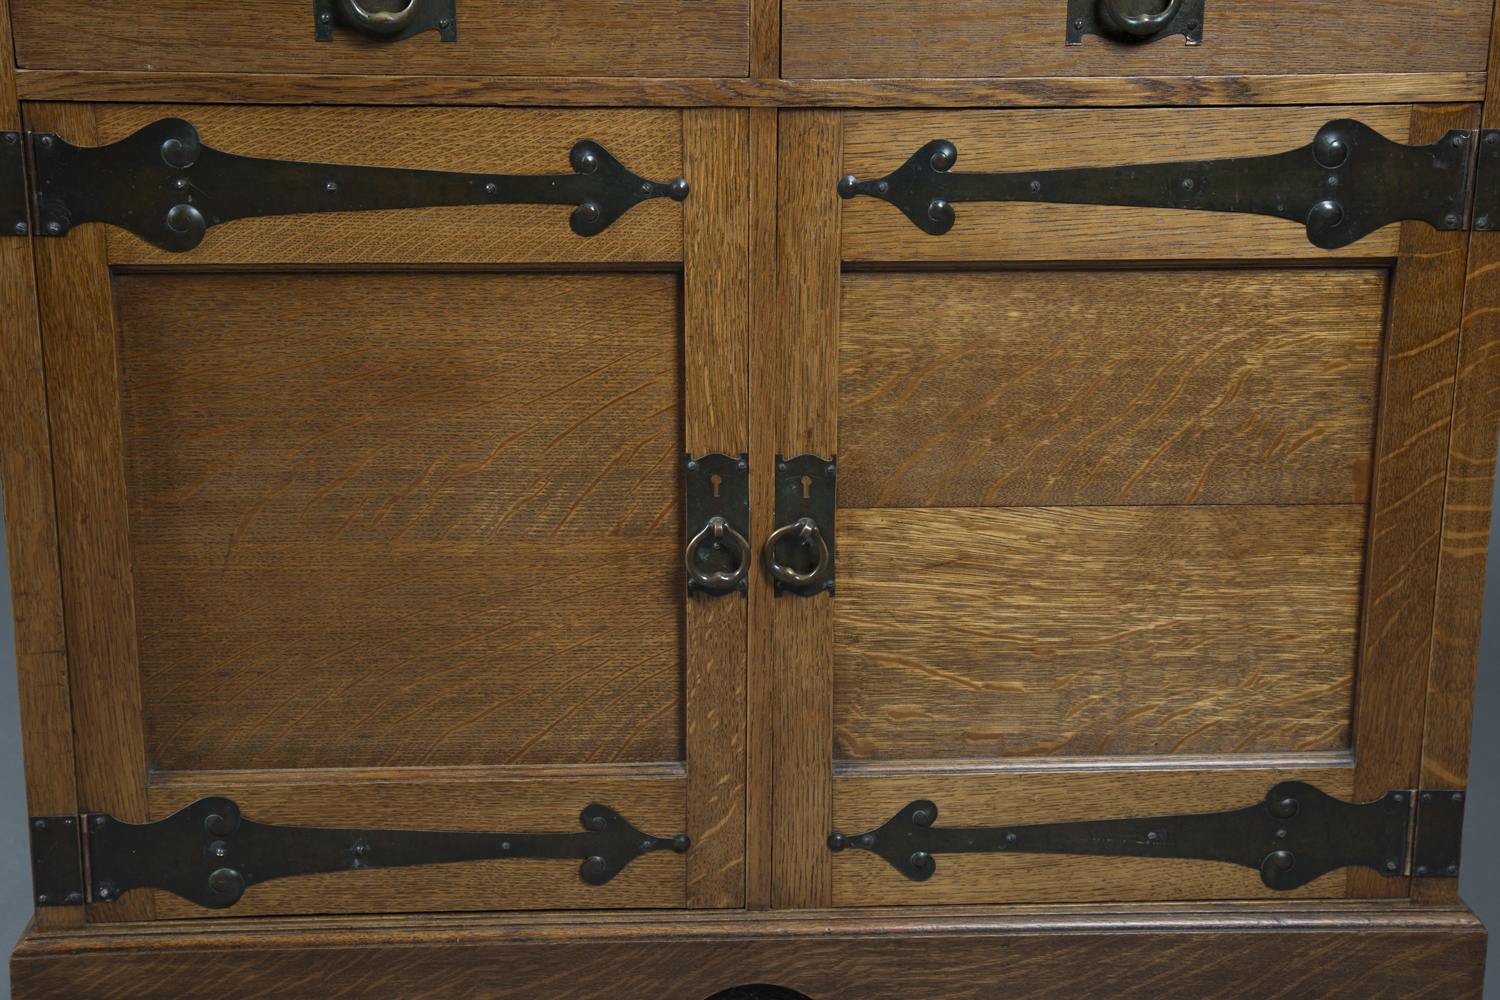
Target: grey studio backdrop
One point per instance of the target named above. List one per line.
(1479, 882)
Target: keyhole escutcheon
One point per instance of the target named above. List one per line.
(806, 487)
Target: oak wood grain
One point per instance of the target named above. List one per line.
(863, 38)
(760, 804)
(1095, 630)
(878, 142)
(804, 405)
(1338, 951)
(1016, 796)
(1406, 505)
(716, 332)
(571, 38)
(648, 142)
(367, 533)
(487, 800)
(765, 39)
(1148, 387)
(36, 601)
(614, 91)
(83, 400)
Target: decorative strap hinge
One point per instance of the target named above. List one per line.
(165, 186)
(1294, 835)
(1343, 185)
(209, 854)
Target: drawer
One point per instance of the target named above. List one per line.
(393, 503)
(1012, 38)
(1127, 500)
(575, 38)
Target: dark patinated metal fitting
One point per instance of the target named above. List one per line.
(56, 862)
(800, 553)
(1108, 19)
(921, 860)
(1317, 834)
(679, 190)
(718, 554)
(186, 853)
(415, 18)
(1379, 182)
(1439, 833)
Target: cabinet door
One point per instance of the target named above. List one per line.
(1137, 509)
(374, 520)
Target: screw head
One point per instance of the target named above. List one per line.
(742, 465)
(744, 584)
(361, 849)
(1078, 25)
(646, 845)
(74, 898)
(780, 466)
(1452, 219)
(1192, 25)
(42, 898)
(883, 187)
(99, 821)
(46, 141)
(1458, 796)
(868, 840)
(1187, 184)
(1491, 139)
(444, 23)
(1458, 140)
(54, 228)
(1281, 833)
(1483, 222)
(325, 18)
(1036, 187)
(1010, 838)
(1453, 869)
(1391, 866)
(10, 138)
(219, 850)
(504, 845)
(1398, 797)
(102, 892)
(828, 585)
(40, 824)
(1426, 796)
(692, 466)
(180, 183)
(22, 229)
(491, 188)
(1421, 869)
(330, 187)
(1151, 835)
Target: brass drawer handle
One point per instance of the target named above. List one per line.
(1131, 24)
(388, 22)
(719, 530)
(808, 533)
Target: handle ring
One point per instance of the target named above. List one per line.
(720, 530)
(1139, 25)
(808, 533)
(381, 22)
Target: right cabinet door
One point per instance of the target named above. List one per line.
(1137, 509)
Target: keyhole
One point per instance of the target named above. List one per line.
(806, 486)
(716, 479)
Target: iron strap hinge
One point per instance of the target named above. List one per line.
(209, 854)
(165, 186)
(1346, 183)
(1294, 835)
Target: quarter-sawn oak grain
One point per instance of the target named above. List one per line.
(1145, 387)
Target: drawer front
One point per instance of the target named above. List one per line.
(575, 38)
(1011, 38)
(1128, 504)
(392, 507)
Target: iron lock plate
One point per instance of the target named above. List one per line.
(1294, 835)
(13, 200)
(1109, 18)
(805, 493)
(1439, 833)
(718, 524)
(432, 15)
(56, 862)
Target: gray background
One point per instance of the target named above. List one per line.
(1479, 881)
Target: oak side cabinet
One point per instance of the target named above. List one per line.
(784, 498)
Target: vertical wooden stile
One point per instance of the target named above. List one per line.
(83, 384)
(716, 334)
(1406, 500)
(31, 529)
(805, 407)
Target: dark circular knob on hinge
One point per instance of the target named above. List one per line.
(920, 860)
(594, 865)
(223, 819)
(225, 887)
(1329, 147)
(1282, 808)
(380, 22)
(944, 155)
(1136, 25)
(1325, 215)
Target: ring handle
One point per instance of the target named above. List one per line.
(1136, 24)
(807, 531)
(382, 22)
(720, 530)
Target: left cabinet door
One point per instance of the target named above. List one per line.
(375, 519)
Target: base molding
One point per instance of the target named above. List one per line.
(1361, 950)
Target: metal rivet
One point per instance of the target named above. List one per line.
(99, 821)
(922, 817)
(1421, 869)
(180, 183)
(444, 23)
(598, 823)
(1151, 835)
(1453, 869)
(646, 188)
(780, 466)
(330, 186)
(646, 845)
(588, 212)
(679, 189)
(54, 228)
(1282, 860)
(1187, 183)
(1078, 25)
(1390, 866)
(920, 859)
(1283, 809)
(1333, 180)
(868, 840)
(1483, 222)
(1491, 139)
(40, 824)
(937, 209)
(325, 18)
(828, 585)
(742, 464)
(883, 186)
(1426, 796)
(42, 897)
(681, 843)
(943, 157)
(491, 188)
(219, 850)
(102, 892)
(594, 864)
(1192, 25)
(21, 229)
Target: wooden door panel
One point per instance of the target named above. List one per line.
(1119, 387)
(481, 140)
(1072, 791)
(405, 519)
(877, 142)
(1095, 631)
(999, 38)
